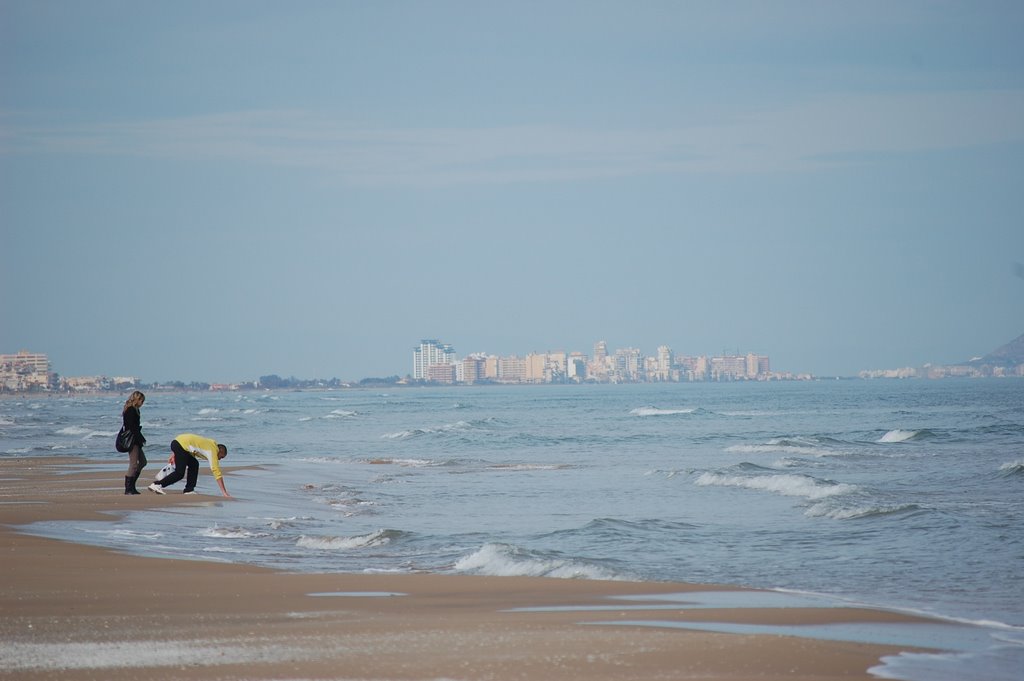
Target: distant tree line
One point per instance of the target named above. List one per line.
(275, 382)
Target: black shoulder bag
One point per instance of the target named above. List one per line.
(124, 440)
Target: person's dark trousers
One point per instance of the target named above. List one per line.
(183, 461)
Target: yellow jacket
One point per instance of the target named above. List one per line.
(197, 445)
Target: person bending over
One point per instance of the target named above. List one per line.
(185, 448)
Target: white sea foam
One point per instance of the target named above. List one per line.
(529, 466)
(340, 414)
(899, 435)
(458, 426)
(74, 430)
(86, 433)
(997, 663)
(407, 463)
(230, 533)
(654, 411)
(503, 560)
(771, 448)
(786, 485)
(132, 534)
(280, 523)
(208, 410)
(378, 538)
(402, 434)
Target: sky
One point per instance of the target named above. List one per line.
(216, 191)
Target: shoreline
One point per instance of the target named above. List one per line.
(75, 611)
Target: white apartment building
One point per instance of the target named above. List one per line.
(430, 352)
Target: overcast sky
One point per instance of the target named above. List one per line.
(216, 191)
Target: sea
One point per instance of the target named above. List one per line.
(903, 495)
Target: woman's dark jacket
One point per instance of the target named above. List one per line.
(132, 420)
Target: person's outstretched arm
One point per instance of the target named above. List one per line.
(223, 489)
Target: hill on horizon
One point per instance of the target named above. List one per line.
(1008, 355)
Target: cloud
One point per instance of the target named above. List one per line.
(809, 135)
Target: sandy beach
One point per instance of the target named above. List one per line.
(70, 611)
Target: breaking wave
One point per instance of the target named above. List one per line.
(363, 541)
(216, 532)
(775, 447)
(448, 429)
(901, 435)
(655, 411)
(823, 510)
(341, 414)
(1014, 468)
(785, 484)
(506, 560)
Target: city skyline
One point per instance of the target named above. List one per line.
(435, 362)
(438, 362)
(835, 184)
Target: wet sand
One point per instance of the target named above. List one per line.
(71, 611)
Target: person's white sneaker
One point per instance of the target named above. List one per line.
(190, 492)
(156, 488)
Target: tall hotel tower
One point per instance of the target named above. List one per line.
(430, 352)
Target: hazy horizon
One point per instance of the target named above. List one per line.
(213, 192)
(407, 371)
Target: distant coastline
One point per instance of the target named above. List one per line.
(29, 374)
(316, 387)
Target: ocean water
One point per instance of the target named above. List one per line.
(898, 494)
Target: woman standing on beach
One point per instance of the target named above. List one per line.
(131, 418)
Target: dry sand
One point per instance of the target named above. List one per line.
(69, 611)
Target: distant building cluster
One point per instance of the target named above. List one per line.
(437, 362)
(30, 372)
(969, 370)
(24, 371)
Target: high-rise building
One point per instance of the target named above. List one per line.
(757, 365)
(629, 365)
(430, 352)
(24, 370)
(511, 369)
(576, 368)
(533, 367)
(664, 365)
(474, 369)
(728, 368)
